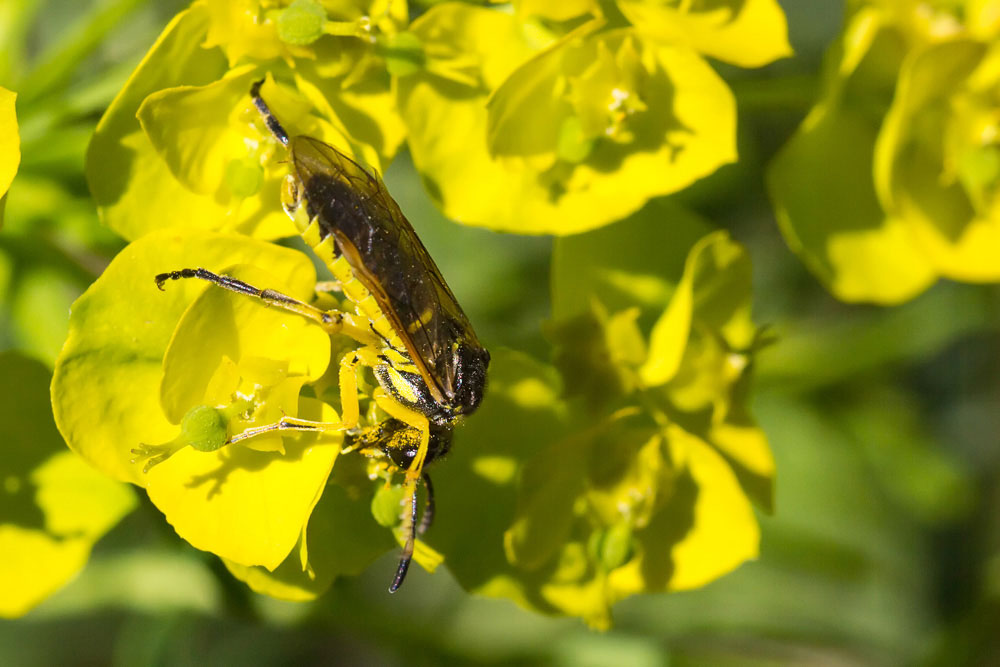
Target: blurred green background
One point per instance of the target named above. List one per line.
(885, 544)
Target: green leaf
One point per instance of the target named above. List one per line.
(61, 61)
(54, 507)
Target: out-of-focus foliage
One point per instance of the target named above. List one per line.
(891, 181)
(54, 505)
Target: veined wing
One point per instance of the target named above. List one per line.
(387, 257)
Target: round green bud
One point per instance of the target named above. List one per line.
(616, 547)
(301, 23)
(386, 506)
(204, 428)
(244, 177)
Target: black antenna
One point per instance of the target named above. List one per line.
(272, 123)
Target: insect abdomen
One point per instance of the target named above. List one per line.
(352, 288)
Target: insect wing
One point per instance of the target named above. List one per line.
(387, 257)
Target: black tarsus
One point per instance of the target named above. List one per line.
(407, 554)
(428, 517)
(272, 123)
(224, 282)
(425, 522)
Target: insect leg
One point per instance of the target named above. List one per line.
(428, 518)
(409, 527)
(288, 424)
(332, 321)
(349, 407)
(272, 123)
(411, 418)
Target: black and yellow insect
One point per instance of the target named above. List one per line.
(429, 364)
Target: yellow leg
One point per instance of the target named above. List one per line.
(349, 408)
(413, 473)
(412, 418)
(288, 424)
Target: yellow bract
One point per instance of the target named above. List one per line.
(748, 33)
(640, 467)
(889, 183)
(181, 145)
(242, 504)
(246, 503)
(936, 160)
(10, 142)
(580, 135)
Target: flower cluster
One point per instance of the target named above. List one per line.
(891, 181)
(626, 465)
(548, 119)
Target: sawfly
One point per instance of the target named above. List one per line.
(412, 333)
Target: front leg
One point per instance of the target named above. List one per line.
(332, 321)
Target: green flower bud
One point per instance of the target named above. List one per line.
(616, 546)
(204, 428)
(301, 23)
(386, 506)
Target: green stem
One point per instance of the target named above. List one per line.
(786, 93)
